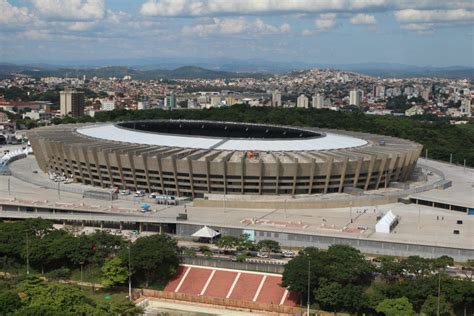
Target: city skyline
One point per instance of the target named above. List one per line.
(335, 32)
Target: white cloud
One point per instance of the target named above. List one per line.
(11, 15)
(411, 15)
(255, 7)
(234, 26)
(71, 10)
(217, 7)
(325, 22)
(363, 19)
(82, 26)
(419, 27)
(35, 34)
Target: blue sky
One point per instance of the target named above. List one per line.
(418, 32)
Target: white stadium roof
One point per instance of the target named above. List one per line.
(114, 133)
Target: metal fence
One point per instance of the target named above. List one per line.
(228, 264)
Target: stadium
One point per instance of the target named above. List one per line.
(192, 158)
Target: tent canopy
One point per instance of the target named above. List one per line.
(206, 232)
(386, 223)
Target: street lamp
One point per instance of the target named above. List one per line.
(129, 273)
(309, 273)
(27, 254)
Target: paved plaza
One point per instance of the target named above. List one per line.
(419, 224)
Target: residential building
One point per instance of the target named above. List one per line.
(72, 103)
(276, 98)
(414, 110)
(318, 101)
(108, 105)
(302, 101)
(354, 97)
(170, 101)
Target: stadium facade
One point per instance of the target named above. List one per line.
(191, 158)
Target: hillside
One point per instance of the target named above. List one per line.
(186, 72)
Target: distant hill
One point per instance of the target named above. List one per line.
(387, 70)
(225, 69)
(186, 72)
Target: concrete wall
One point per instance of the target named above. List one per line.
(375, 247)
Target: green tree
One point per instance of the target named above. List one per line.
(114, 272)
(390, 268)
(430, 307)
(153, 258)
(227, 242)
(295, 275)
(9, 302)
(417, 265)
(268, 245)
(335, 297)
(336, 269)
(396, 307)
(328, 296)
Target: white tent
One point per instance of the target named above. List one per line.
(385, 224)
(206, 232)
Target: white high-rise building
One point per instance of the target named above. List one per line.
(143, 105)
(276, 98)
(318, 101)
(108, 105)
(354, 97)
(302, 102)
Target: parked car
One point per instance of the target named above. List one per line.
(124, 192)
(288, 254)
(140, 193)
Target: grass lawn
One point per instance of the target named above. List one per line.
(89, 274)
(113, 297)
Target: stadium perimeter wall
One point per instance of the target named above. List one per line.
(189, 172)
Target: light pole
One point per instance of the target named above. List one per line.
(59, 191)
(8, 185)
(27, 254)
(129, 273)
(309, 273)
(439, 291)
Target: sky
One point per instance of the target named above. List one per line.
(415, 32)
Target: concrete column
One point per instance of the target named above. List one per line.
(67, 154)
(295, 176)
(147, 175)
(121, 225)
(132, 167)
(371, 169)
(343, 175)
(381, 171)
(105, 155)
(88, 165)
(357, 172)
(160, 170)
(97, 166)
(311, 178)
(278, 168)
(208, 178)
(260, 176)
(119, 165)
(175, 173)
(242, 176)
(191, 178)
(329, 163)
